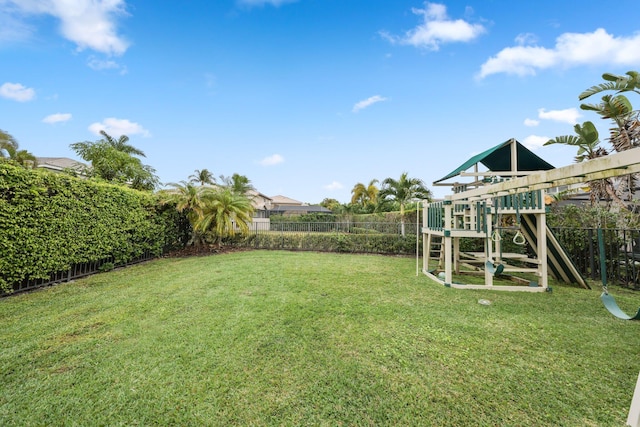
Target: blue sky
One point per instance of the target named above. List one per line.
(307, 97)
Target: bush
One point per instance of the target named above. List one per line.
(391, 244)
(51, 222)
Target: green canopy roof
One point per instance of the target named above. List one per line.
(498, 159)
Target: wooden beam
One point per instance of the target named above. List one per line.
(618, 164)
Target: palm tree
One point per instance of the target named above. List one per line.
(238, 184)
(225, 213)
(187, 198)
(629, 83)
(115, 161)
(8, 145)
(25, 158)
(626, 133)
(587, 140)
(366, 196)
(202, 176)
(402, 191)
(121, 144)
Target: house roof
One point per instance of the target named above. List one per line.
(256, 193)
(59, 163)
(300, 209)
(283, 200)
(498, 159)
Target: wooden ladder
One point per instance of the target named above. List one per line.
(436, 250)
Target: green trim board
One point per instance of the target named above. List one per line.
(498, 159)
(558, 262)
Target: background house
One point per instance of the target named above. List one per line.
(282, 205)
(61, 164)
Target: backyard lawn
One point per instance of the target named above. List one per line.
(300, 338)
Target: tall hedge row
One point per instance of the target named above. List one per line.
(49, 222)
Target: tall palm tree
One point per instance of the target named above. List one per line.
(402, 191)
(365, 195)
(115, 160)
(202, 176)
(225, 213)
(121, 144)
(238, 184)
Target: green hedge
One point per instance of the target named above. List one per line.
(51, 222)
(391, 244)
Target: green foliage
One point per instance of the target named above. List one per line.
(574, 216)
(368, 242)
(9, 151)
(50, 222)
(115, 161)
(214, 213)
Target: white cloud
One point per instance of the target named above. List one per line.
(526, 39)
(57, 118)
(367, 103)
(118, 127)
(272, 160)
(571, 50)
(437, 28)
(90, 24)
(105, 64)
(275, 3)
(335, 185)
(569, 115)
(17, 92)
(531, 122)
(533, 142)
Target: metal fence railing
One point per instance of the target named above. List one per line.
(621, 253)
(338, 227)
(76, 271)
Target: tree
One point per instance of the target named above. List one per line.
(8, 145)
(9, 151)
(202, 176)
(25, 158)
(225, 213)
(115, 161)
(588, 142)
(187, 198)
(366, 196)
(238, 184)
(121, 144)
(625, 135)
(402, 191)
(331, 204)
(214, 213)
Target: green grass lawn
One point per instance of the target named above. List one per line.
(293, 338)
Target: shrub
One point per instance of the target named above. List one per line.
(51, 222)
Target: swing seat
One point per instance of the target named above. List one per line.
(611, 305)
(494, 269)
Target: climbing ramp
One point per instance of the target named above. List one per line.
(558, 262)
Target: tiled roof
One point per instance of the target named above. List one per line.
(282, 200)
(59, 163)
